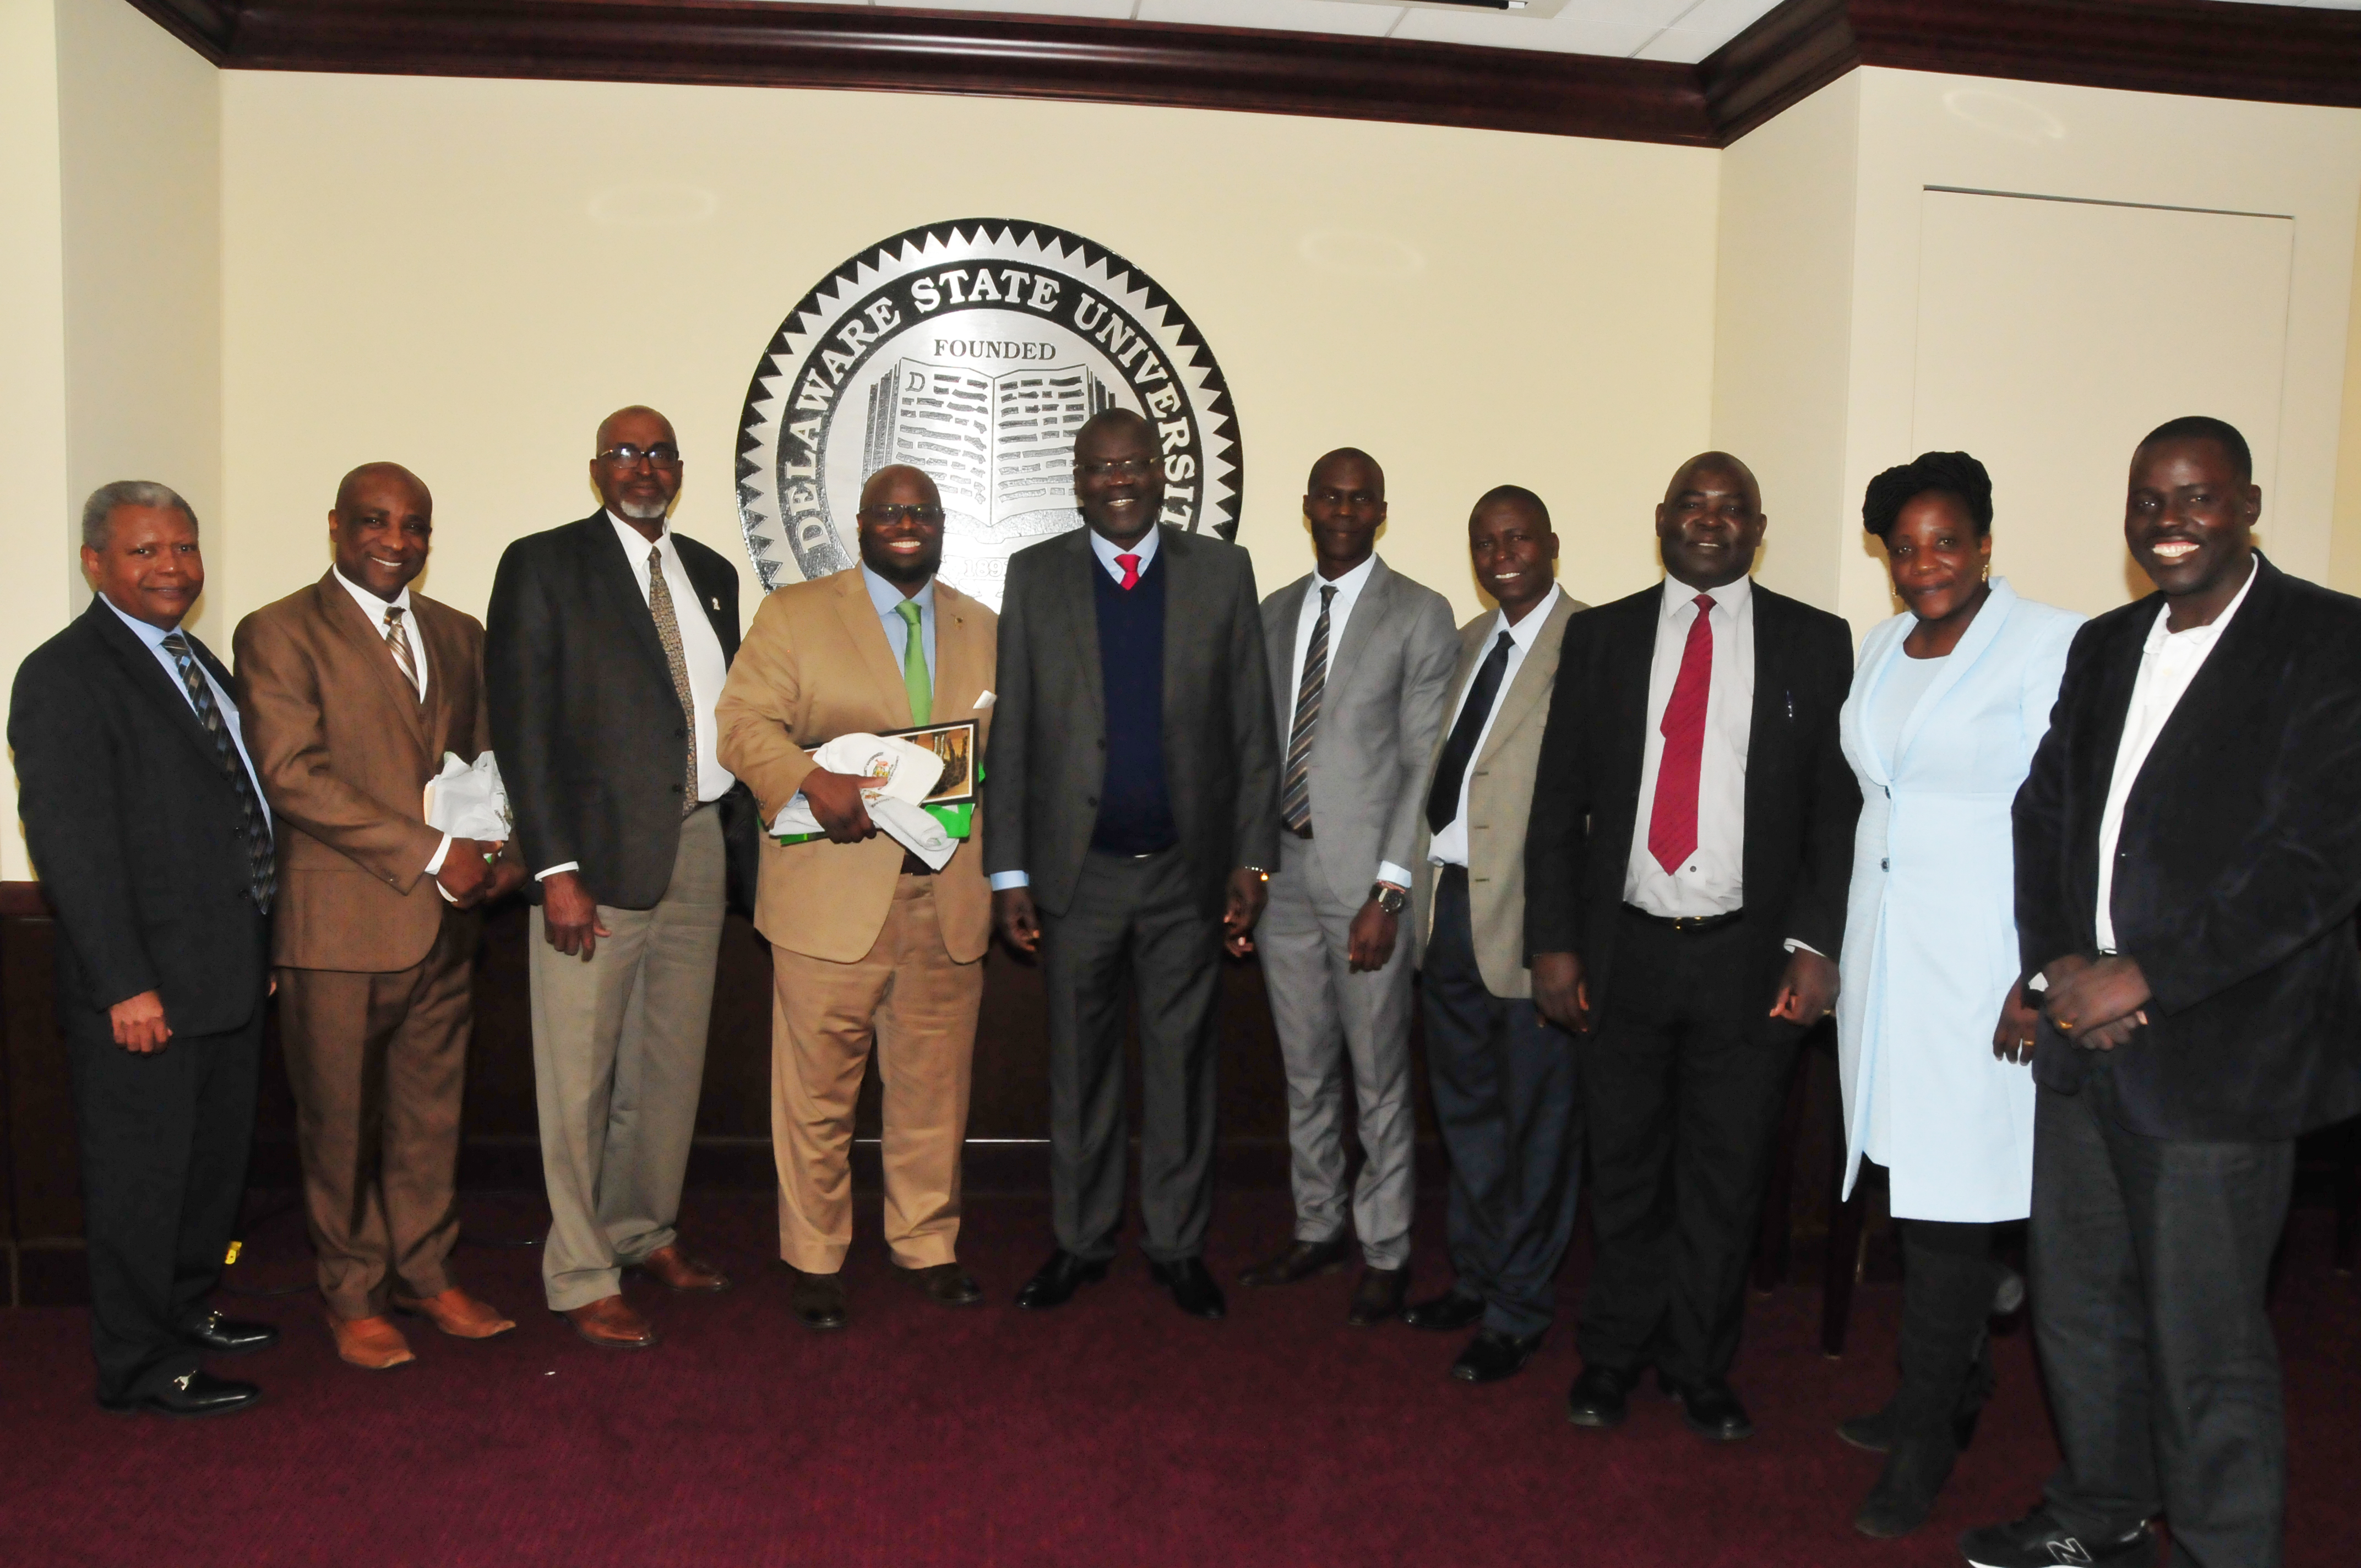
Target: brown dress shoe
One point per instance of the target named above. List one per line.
(944, 1283)
(670, 1265)
(611, 1325)
(373, 1345)
(1378, 1297)
(456, 1313)
(1301, 1261)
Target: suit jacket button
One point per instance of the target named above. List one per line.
(1885, 865)
(1091, 800)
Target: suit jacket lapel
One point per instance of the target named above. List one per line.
(336, 607)
(861, 624)
(960, 645)
(446, 675)
(1368, 613)
(1076, 597)
(1289, 609)
(1977, 640)
(612, 573)
(1528, 689)
(1632, 653)
(150, 679)
(1767, 727)
(2236, 666)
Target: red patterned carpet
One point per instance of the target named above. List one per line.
(1114, 1431)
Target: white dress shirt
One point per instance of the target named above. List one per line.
(1340, 611)
(1449, 846)
(153, 637)
(2169, 662)
(1713, 879)
(373, 611)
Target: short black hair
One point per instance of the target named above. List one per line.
(2205, 427)
(1954, 474)
(1512, 493)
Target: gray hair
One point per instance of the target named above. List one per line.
(98, 513)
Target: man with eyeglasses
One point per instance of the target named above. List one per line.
(606, 646)
(870, 947)
(1128, 796)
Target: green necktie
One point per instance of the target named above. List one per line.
(914, 679)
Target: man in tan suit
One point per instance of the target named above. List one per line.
(1503, 1077)
(351, 690)
(868, 946)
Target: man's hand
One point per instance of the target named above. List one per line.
(2013, 1035)
(139, 1023)
(467, 874)
(1370, 946)
(1248, 893)
(1561, 992)
(835, 802)
(1019, 925)
(2098, 1005)
(507, 877)
(1807, 990)
(569, 916)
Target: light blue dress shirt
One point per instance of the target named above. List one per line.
(887, 596)
(153, 636)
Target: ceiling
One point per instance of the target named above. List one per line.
(1682, 30)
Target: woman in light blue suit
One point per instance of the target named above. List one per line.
(1948, 704)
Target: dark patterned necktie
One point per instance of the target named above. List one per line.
(1442, 801)
(262, 869)
(1295, 788)
(668, 633)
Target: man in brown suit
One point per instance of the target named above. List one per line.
(351, 690)
(867, 945)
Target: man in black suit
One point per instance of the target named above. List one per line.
(1128, 796)
(2187, 865)
(1685, 877)
(606, 645)
(145, 822)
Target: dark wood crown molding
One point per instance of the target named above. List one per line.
(2199, 48)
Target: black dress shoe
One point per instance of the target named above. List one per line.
(1447, 1314)
(217, 1335)
(1492, 1356)
(818, 1300)
(1301, 1261)
(1193, 1286)
(1378, 1297)
(1055, 1284)
(190, 1394)
(1711, 1411)
(1601, 1396)
(945, 1284)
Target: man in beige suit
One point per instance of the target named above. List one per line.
(1503, 1077)
(867, 945)
(351, 690)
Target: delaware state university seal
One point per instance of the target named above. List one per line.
(973, 350)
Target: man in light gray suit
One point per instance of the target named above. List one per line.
(1503, 1075)
(1360, 664)
(1129, 827)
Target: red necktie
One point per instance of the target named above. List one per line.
(1672, 823)
(1130, 564)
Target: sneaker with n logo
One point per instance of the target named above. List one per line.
(2038, 1541)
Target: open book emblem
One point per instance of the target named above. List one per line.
(973, 350)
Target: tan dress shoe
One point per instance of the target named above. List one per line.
(611, 1325)
(456, 1313)
(670, 1265)
(373, 1345)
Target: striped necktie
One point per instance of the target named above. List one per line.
(261, 867)
(1295, 786)
(399, 642)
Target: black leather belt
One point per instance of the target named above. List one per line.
(1686, 925)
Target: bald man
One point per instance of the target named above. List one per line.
(351, 691)
(1685, 873)
(870, 947)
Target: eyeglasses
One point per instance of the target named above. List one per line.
(627, 457)
(891, 516)
(1119, 468)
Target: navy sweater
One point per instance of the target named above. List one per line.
(1135, 805)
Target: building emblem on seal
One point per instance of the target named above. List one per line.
(973, 350)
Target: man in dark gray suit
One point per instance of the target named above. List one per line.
(1128, 825)
(1360, 667)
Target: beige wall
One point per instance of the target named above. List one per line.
(465, 276)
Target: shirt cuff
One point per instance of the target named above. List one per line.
(1398, 876)
(569, 866)
(1002, 880)
(1797, 945)
(434, 862)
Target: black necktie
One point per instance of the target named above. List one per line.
(1442, 801)
(263, 870)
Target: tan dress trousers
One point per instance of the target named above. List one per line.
(918, 1007)
(377, 1063)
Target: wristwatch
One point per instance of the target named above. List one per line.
(1389, 898)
